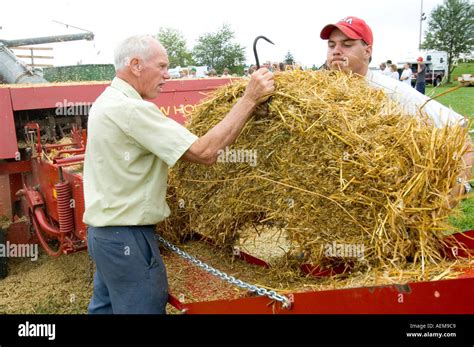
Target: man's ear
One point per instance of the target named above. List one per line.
(368, 51)
(135, 66)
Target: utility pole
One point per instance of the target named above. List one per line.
(422, 18)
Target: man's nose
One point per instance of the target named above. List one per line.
(166, 75)
(336, 50)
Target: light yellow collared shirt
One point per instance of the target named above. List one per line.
(130, 147)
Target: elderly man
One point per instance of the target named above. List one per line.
(350, 49)
(130, 147)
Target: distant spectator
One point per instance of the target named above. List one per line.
(406, 74)
(212, 73)
(193, 73)
(252, 69)
(386, 70)
(389, 62)
(394, 72)
(183, 73)
(226, 73)
(282, 66)
(421, 76)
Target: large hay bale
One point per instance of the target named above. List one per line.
(338, 163)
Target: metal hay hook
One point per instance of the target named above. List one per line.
(255, 48)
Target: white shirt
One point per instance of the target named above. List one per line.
(408, 74)
(411, 100)
(395, 75)
(387, 71)
(130, 146)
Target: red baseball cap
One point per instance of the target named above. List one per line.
(420, 59)
(353, 27)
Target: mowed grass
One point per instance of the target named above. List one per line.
(462, 101)
(463, 68)
(466, 220)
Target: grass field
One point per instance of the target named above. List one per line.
(463, 68)
(461, 101)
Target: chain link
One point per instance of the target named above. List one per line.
(222, 275)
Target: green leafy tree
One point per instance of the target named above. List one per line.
(289, 59)
(451, 29)
(218, 51)
(175, 43)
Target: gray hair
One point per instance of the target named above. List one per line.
(134, 46)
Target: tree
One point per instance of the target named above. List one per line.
(175, 44)
(451, 29)
(289, 59)
(218, 51)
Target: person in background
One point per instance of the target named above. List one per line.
(225, 73)
(394, 72)
(193, 73)
(212, 73)
(420, 76)
(252, 69)
(183, 73)
(406, 74)
(388, 70)
(383, 67)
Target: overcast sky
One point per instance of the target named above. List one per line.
(292, 25)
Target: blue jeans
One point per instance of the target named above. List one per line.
(130, 275)
(420, 86)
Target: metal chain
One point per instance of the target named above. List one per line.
(286, 303)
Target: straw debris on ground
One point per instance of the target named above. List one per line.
(48, 285)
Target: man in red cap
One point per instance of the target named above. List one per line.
(421, 76)
(350, 44)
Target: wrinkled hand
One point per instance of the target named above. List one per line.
(458, 192)
(455, 195)
(260, 87)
